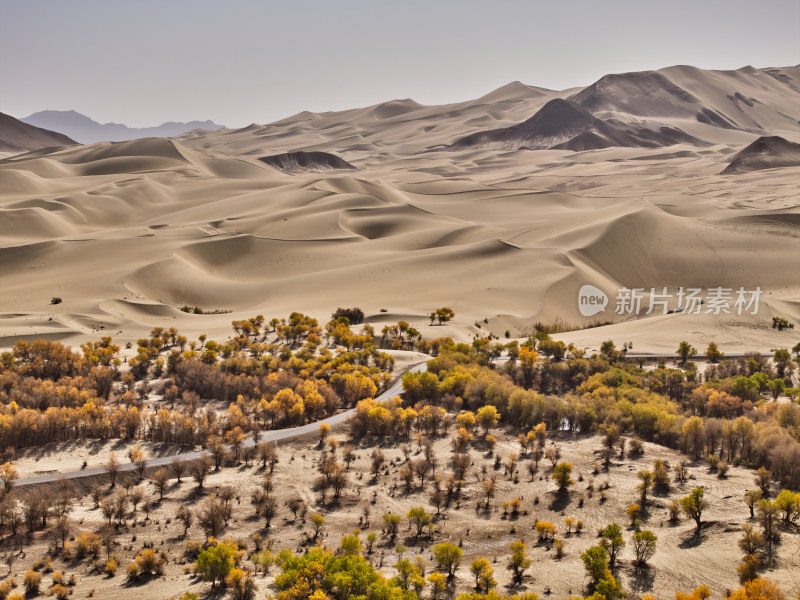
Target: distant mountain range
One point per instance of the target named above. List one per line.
(87, 131)
(679, 105)
(16, 136)
(657, 108)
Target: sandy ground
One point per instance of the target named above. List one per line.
(682, 560)
(127, 233)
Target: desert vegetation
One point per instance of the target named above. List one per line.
(505, 470)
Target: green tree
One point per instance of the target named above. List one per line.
(447, 557)
(611, 540)
(350, 545)
(789, 504)
(713, 353)
(562, 474)
(419, 517)
(215, 562)
(644, 545)
(483, 572)
(595, 561)
(392, 522)
(694, 505)
(686, 351)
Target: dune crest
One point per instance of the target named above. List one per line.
(617, 185)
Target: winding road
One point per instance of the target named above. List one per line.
(279, 435)
(275, 435)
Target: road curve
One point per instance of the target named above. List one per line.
(275, 435)
(278, 435)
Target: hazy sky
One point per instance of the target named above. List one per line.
(144, 62)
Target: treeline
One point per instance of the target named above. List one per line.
(283, 372)
(727, 415)
(346, 573)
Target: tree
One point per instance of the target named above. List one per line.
(694, 504)
(392, 522)
(693, 434)
(377, 459)
(646, 478)
(235, 437)
(483, 572)
(178, 467)
(215, 563)
(789, 504)
(184, 514)
(713, 353)
(595, 561)
(562, 474)
(487, 417)
(758, 589)
(8, 474)
(611, 540)
(324, 431)
(768, 517)
(752, 541)
(408, 575)
(764, 480)
(211, 516)
(438, 583)
(644, 546)
(200, 469)
(112, 466)
(783, 361)
(686, 351)
(160, 479)
(419, 517)
(350, 545)
(447, 557)
(317, 520)
(751, 498)
(241, 584)
(519, 561)
(442, 315)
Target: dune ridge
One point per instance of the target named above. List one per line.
(617, 185)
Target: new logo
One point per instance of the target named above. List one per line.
(591, 300)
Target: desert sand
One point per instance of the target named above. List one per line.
(507, 231)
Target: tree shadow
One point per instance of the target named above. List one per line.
(694, 538)
(560, 501)
(641, 578)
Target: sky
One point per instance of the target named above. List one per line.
(241, 61)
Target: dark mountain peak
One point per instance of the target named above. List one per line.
(306, 161)
(767, 152)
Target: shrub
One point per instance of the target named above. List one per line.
(32, 581)
(110, 568)
(355, 316)
(242, 585)
(87, 543)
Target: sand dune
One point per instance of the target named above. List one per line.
(127, 233)
(16, 136)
